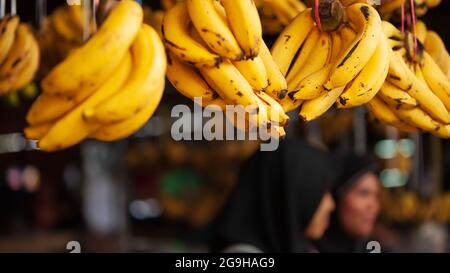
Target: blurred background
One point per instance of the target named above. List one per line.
(149, 193)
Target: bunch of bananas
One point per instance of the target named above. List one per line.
(416, 94)
(392, 8)
(346, 64)
(19, 55)
(106, 89)
(61, 33)
(216, 52)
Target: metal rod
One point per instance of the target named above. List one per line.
(13, 7)
(2, 8)
(41, 13)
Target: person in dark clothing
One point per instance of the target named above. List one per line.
(281, 202)
(357, 207)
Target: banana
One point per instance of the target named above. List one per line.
(37, 132)
(254, 72)
(168, 4)
(244, 21)
(129, 126)
(417, 118)
(64, 25)
(397, 74)
(275, 110)
(230, 84)
(149, 67)
(16, 59)
(307, 48)
(8, 27)
(368, 24)
(187, 80)
(27, 73)
(421, 31)
(59, 137)
(177, 38)
(426, 98)
(436, 48)
(383, 113)
(316, 61)
(442, 131)
(312, 109)
(289, 103)
(277, 85)
(213, 29)
(285, 10)
(396, 97)
(312, 86)
(87, 67)
(436, 80)
(369, 81)
(291, 39)
(47, 108)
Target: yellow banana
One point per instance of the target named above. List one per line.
(436, 48)
(421, 31)
(47, 108)
(275, 110)
(213, 29)
(397, 74)
(230, 84)
(383, 113)
(368, 24)
(129, 126)
(436, 79)
(37, 132)
(87, 67)
(312, 86)
(396, 97)
(277, 85)
(27, 73)
(8, 27)
(417, 118)
(426, 98)
(149, 67)
(311, 42)
(244, 21)
(177, 38)
(64, 25)
(187, 80)
(16, 59)
(73, 128)
(443, 131)
(291, 39)
(316, 61)
(254, 72)
(369, 81)
(289, 103)
(312, 109)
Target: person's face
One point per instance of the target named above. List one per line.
(360, 206)
(321, 218)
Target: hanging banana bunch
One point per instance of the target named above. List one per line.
(416, 95)
(19, 55)
(216, 52)
(106, 89)
(332, 53)
(392, 9)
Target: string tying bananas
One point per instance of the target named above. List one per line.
(106, 89)
(19, 55)
(216, 52)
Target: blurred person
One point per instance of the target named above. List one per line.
(356, 194)
(281, 203)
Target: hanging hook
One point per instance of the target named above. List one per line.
(316, 14)
(402, 16)
(413, 14)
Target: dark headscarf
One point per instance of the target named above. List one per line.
(276, 197)
(335, 239)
